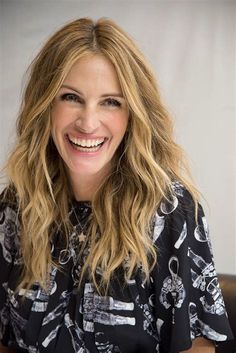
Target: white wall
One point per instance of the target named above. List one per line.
(191, 46)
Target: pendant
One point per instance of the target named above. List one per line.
(82, 237)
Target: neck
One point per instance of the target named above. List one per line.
(85, 186)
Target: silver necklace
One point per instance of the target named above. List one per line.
(82, 234)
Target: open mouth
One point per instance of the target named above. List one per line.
(86, 145)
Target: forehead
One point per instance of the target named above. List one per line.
(93, 71)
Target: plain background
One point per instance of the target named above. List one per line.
(191, 47)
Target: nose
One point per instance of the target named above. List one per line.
(88, 119)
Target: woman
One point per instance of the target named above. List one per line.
(104, 247)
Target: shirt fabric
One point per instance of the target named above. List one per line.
(181, 301)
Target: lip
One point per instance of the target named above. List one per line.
(85, 153)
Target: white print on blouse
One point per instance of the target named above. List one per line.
(29, 293)
(77, 335)
(202, 234)
(149, 324)
(40, 296)
(159, 324)
(218, 306)
(66, 255)
(17, 321)
(149, 319)
(206, 270)
(52, 335)
(173, 285)
(198, 327)
(182, 236)
(168, 207)
(94, 310)
(11, 295)
(207, 280)
(103, 345)
(7, 232)
(58, 311)
(75, 332)
(158, 226)
(178, 188)
(29, 349)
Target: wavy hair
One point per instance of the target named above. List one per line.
(145, 164)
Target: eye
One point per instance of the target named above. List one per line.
(112, 102)
(71, 97)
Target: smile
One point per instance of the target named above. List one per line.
(86, 145)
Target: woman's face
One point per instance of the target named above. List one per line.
(89, 117)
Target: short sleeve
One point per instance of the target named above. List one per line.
(8, 234)
(188, 299)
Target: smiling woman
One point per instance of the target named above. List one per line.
(104, 246)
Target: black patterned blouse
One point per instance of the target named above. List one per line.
(182, 301)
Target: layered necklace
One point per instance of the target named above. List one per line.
(85, 209)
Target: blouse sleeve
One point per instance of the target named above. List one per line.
(188, 299)
(7, 254)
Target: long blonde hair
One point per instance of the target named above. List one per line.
(146, 162)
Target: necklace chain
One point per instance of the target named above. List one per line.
(82, 234)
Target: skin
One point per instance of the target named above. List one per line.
(89, 105)
(201, 345)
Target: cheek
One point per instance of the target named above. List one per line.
(118, 125)
(60, 118)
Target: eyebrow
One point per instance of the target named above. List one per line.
(103, 95)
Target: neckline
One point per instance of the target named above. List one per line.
(81, 204)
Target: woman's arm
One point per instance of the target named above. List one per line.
(201, 345)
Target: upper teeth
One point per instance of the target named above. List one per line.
(86, 143)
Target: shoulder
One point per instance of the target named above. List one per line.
(180, 206)
(178, 215)
(180, 200)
